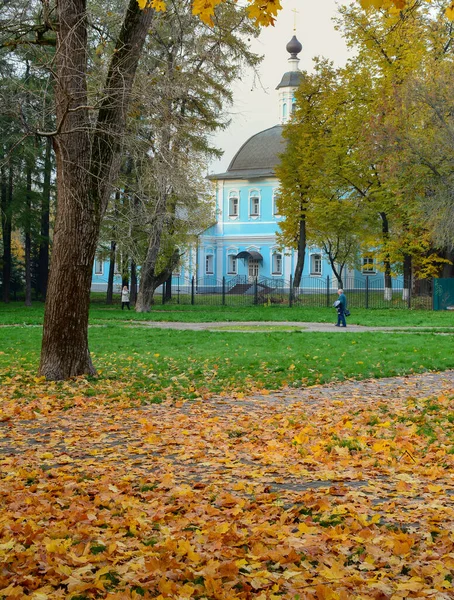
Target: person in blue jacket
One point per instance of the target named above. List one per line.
(341, 305)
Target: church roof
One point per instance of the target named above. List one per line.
(257, 157)
(290, 79)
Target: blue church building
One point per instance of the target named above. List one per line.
(243, 242)
(241, 245)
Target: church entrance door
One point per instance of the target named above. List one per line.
(253, 269)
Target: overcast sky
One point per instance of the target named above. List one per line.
(255, 106)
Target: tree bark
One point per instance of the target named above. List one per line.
(301, 253)
(7, 226)
(28, 239)
(149, 280)
(86, 167)
(407, 277)
(43, 256)
(387, 265)
(337, 273)
(110, 279)
(133, 286)
(168, 288)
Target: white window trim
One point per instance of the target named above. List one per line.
(273, 272)
(232, 255)
(234, 194)
(371, 268)
(207, 264)
(314, 273)
(255, 193)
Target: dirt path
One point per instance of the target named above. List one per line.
(259, 326)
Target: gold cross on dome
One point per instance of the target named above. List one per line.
(295, 12)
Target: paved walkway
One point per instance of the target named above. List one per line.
(249, 326)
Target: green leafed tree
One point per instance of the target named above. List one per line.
(91, 118)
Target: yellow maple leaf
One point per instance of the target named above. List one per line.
(371, 3)
(415, 584)
(335, 572)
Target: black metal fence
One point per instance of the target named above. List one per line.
(366, 292)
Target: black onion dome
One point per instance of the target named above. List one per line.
(294, 47)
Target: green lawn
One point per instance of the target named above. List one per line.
(17, 313)
(153, 364)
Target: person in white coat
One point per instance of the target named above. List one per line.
(124, 297)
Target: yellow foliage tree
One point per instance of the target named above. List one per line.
(395, 6)
(263, 12)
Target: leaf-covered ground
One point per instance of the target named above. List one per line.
(332, 492)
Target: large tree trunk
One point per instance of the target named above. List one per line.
(301, 252)
(150, 280)
(110, 278)
(407, 278)
(28, 240)
(168, 288)
(6, 217)
(86, 167)
(65, 345)
(386, 263)
(133, 286)
(43, 256)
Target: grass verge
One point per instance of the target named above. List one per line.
(144, 365)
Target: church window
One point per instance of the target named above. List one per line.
(254, 203)
(277, 263)
(99, 265)
(209, 264)
(316, 264)
(368, 264)
(117, 266)
(275, 197)
(284, 110)
(233, 204)
(231, 264)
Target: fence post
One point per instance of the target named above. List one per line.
(256, 295)
(327, 291)
(163, 293)
(178, 290)
(192, 290)
(367, 291)
(223, 291)
(290, 293)
(409, 292)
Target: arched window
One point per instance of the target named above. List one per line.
(254, 203)
(231, 264)
(276, 263)
(284, 110)
(316, 264)
(209, 264)
(234, 204)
